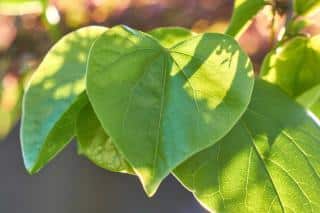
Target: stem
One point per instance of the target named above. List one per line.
(272, 27)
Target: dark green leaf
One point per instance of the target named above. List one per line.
(294, 66)
(96, 145)
(52, 99)
(243, 13)
(163, 105)
(269, 162)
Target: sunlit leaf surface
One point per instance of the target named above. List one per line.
(169, 36)
(163, 105)
(294, 66)
(269, 162)
(52, 100)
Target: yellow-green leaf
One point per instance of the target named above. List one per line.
(294, 65)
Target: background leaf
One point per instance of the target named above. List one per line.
(302, 7)
(139, 91)
(96, 145)
(269, 162)
(11, 91)
(294, 65)
(243, 13)
(52, 99)
(20, 7)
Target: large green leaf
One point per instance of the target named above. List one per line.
(243, 13)
(163, 105)
(20, 7)
(169, 36)
(52, 99)
(269, 162)
(96, 145)
(294, 66)
(311, 100)
(302, 7)
(93, 141)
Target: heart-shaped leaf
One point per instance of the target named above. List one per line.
(294, 66)
(269, 162)
(52, 99)
(96, 145)
(163, 105)
(93, 141)
(243, 13)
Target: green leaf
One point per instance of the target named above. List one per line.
(96, 145)
(294, 65)
(311, 100)
(303, 7)
(169, 36)
(20, 7)
(163, 105)
(93, 142)
(52, 99)
(243, 13)
(269, 162)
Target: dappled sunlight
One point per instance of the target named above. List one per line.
(54, 87)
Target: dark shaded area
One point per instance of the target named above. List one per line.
(71, 183)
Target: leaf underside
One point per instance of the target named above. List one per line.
(166, 102)
(269, 162)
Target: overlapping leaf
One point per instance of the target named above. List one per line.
(243, 13)
(54, 97)
(269, 162)
(95, 144)
(170, 103)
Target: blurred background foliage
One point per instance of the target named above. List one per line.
(28, 28)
